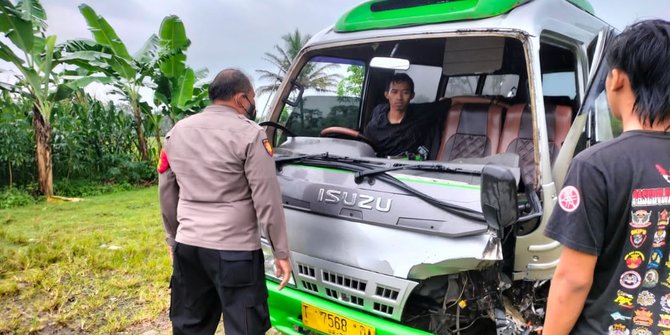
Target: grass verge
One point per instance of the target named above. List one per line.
(94, 267)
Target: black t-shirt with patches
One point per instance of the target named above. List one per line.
(616, 204)
(419, 123)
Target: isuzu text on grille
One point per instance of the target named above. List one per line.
(354, 199)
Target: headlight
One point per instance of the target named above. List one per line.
(269, 262)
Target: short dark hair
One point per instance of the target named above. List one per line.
(228, 83)
(642, 51)
(401, 78)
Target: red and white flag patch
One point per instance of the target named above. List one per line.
(163, 163)
(268, 147)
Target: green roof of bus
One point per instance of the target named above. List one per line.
(363, 17)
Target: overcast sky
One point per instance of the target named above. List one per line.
(236, 33)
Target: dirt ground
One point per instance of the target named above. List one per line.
(161, 326)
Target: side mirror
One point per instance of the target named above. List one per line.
(499, 196)
(295, 94)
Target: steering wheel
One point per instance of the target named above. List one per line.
(278, 126)
(348, 133)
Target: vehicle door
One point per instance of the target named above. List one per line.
(594, 123)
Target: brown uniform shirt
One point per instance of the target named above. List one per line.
(221, 185)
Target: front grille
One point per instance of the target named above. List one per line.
(310, 286)
(306, 270)
(366, 290)
(382, 308)
(332, 293)
(342, 280)
(386, 292)
(353, 299)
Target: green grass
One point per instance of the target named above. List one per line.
(97, 267)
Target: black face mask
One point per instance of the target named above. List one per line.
(251, 110)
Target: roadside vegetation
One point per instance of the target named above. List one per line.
(52, 133)
(97, 266)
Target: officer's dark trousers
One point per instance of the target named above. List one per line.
(207, 283)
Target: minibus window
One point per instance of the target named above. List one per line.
(462, 85)
(501, 85)
(426, 79)
(330, 99)
(559, 84)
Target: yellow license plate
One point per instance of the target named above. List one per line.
(331, 323)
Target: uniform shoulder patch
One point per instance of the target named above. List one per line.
(163, 163)
(268, 147)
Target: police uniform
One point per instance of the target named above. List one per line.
(218, 194)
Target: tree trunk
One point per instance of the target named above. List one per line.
(142, 142)
(43, 153)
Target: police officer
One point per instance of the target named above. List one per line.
(218, 186)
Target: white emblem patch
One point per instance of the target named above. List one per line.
(569, 199)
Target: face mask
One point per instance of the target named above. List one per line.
(251, 110)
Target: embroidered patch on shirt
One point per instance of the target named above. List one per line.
(640, 218)
(163, 163)
(268, 147)
(634, 259)
(630, 279)
(664, 173)
(638, 236)
(569, 199)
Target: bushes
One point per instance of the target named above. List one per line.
(14, 197)
(132, 172)
(82, 188)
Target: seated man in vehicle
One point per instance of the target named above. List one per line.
(400, 128)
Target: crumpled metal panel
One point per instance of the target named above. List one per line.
(391, 251)
(396, 233)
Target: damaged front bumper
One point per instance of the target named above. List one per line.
(286, 313)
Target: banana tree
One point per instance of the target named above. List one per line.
(129, 71)
(176, 93)
(24, 25)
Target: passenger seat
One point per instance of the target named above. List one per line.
(471, 129)
(517, 135)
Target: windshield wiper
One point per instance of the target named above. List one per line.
(291, 159)
(359, 177)
(451, 208)
(325, 157)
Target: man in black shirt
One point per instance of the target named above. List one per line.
(399, 127)
(612, 213)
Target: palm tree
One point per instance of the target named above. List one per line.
(312, 75)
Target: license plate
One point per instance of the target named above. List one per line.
(331, 323)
